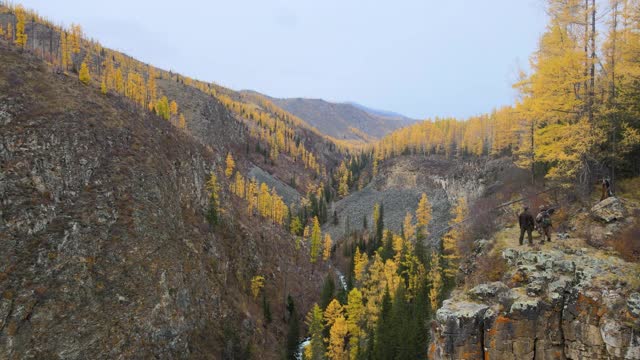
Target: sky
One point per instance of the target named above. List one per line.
(420, 58)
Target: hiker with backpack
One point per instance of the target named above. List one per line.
(543, 220)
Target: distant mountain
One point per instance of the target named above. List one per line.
(346, 121)
(383, 113)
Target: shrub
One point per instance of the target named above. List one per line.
(627, 243)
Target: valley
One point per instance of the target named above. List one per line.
(148, 214)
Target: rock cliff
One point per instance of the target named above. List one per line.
(560, 300)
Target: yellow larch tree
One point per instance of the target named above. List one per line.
(65, 58)
(337, 334)
(326, 253)
(435, 279)
(119, 81)
(360, 261)
(239, 185)
(83, 74)
(152, 90)
(423, 217)
(21, 36)
(451, 240)
(75, 37)
(408, 227)
(182, 122)
(355, 314)
(316, 239)
(332, 312)
(173, 107)
(231, 165)
(257, 283)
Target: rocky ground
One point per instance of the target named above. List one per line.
(559, 300)
(105, 252)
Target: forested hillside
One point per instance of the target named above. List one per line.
(577, 117)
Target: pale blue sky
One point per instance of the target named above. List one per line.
(420, 58)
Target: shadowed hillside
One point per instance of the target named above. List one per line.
(104, 234)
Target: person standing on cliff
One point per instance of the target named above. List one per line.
(526, 224)
(543, 219)
(606, 189)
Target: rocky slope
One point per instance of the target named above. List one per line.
(104, 247)
(401, 182)
(560, 300)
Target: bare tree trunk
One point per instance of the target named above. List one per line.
(593, 61)
(614, 38)
(533, 154)
(586, 51)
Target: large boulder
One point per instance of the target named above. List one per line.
(608, 210)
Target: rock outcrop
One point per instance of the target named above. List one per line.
(608, 210)
(560, 302)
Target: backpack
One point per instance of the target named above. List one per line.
(546, 221)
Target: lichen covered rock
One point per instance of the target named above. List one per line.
(562, 303)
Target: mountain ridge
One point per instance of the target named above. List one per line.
(344, 121)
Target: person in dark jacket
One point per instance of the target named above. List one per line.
(606, 189)
(526, 224)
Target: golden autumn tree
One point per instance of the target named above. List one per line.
(239, 185)
(316, 239)
(326, 253)
(337, 334)
(173, 107)
(152, 90)
(182, 122)
(231, 164)
(408, 227)
(423, 217)
(451, 240)
(374, 287)
(213, 214)
(21, 37)
(65, 58)
(360, 261)
(332, 312)
(257, 283)
(75, 37)
(355, 312)
(558, 95)
(314, 320)
(435, 278)
(83, 74)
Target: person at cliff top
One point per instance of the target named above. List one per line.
(526, 224)
(606, 189)
(543, 219)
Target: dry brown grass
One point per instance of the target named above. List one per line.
(489, 268)
(627, 243)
